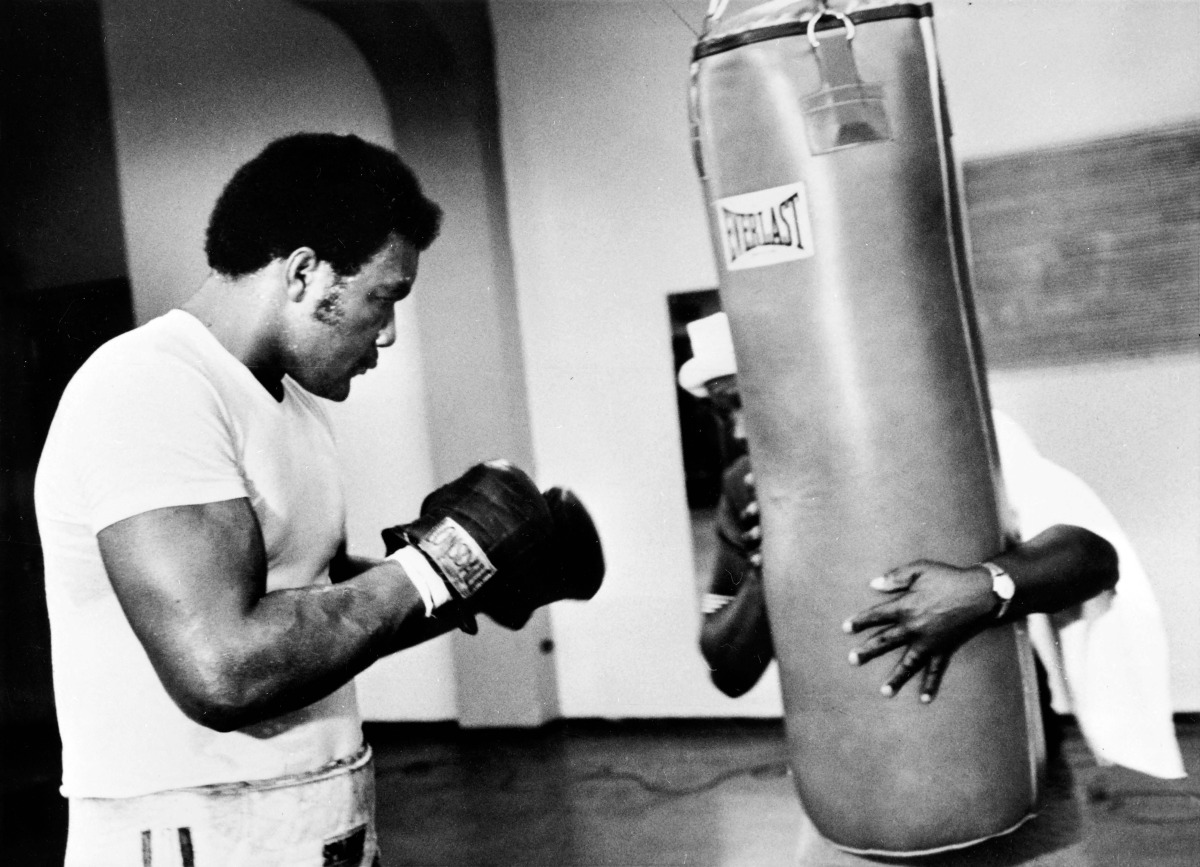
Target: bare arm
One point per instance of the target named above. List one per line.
(1060, 567)
(936, 607)
(192, 582)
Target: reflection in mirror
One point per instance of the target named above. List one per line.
(706, 435)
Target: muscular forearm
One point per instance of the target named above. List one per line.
(192, 581)
(1060, 567)
(293, 647)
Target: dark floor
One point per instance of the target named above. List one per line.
(593, 793)
(684, 793)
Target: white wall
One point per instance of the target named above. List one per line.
(607, 219)
(1024, 74)
(197, 89)
(1132, 430)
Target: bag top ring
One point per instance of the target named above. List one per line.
(821, 13)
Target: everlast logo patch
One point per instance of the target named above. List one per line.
(776, 225)
(464, 563)
(765, 227)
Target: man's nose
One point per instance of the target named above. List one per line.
(387, 334)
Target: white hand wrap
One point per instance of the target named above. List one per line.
(424, 577)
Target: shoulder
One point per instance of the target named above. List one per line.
(153, 365)
(146, 347)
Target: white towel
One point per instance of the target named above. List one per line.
(1107, 659)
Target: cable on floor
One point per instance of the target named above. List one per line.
(1118, 799)
(607, 773)
(604, 773)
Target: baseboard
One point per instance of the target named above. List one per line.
(449, 729)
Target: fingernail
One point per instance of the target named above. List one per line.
(926, 698)
(887, 690)
(854, 657)
(847, 627)
(879, 583)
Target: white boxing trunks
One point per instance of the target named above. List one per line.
(324, 818)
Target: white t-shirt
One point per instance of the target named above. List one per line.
(165, 416)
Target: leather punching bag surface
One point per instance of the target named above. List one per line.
(823, 146)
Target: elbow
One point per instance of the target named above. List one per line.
(217, 717)
(212, 695)
(215, 711)
(222, 714)
(1091, 557)
(211, 710)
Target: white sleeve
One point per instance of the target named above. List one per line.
(149, 436)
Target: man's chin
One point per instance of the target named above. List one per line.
(334, 391)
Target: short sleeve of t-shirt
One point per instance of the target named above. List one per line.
(167, 442)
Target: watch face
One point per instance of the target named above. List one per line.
(1002, 583)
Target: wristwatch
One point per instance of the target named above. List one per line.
(1002, 586)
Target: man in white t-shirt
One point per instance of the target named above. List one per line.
(206, 619)
(1104, 647)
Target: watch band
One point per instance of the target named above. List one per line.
(1002, 586)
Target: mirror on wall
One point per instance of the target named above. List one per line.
(706, 441)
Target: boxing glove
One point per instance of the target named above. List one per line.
(492, 521)
(570, 566)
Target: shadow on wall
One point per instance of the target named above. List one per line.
(64, 290)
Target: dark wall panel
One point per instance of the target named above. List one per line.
(63, 290)
(1088, 252)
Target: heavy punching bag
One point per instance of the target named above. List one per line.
(824, 150)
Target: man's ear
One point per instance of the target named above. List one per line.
(299, 272)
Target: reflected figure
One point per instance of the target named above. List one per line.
(1062, 576)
